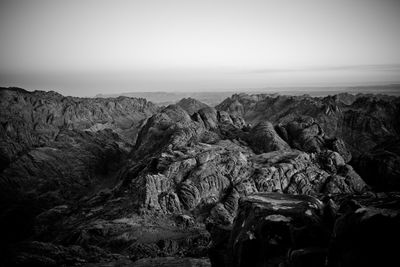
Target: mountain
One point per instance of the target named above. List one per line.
(210, 98)
(55, 150)
(216, 96)
(122, 182)
(191, 105)
(364, 122)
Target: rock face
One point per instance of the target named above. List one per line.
(33, 123)
(296, 230)
(362, 123)
(300, 173)
(268, 225)
(32, 119)
(113, 182)
(191, 105)
(65, 168)
(189, 166)
(263, 138)
(54, 150)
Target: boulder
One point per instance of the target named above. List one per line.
(270, 225)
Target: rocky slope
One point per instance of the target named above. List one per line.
(120, 182)
(56, 149)
(191, 105)
(364, 122)
(32, 119)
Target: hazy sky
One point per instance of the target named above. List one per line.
(89, 47)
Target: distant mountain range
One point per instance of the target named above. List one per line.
(214, 98)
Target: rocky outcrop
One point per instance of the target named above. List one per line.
(60, 146)
(172, 126)
(190, 167)
(269, 226)
(305, 133)
(56, 150)
(214, 176)
(66, 166)
(263, 138)
(191, 178)
(352, 125)
(120, 181)
(33, 119)
(191, 105)
(301, 173)
(362, 121)
(296, 230)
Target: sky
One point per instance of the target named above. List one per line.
(88, 47)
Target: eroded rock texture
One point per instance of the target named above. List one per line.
(192, 166)
(353, 126)
(121, 182)
(54, 150)
(191, 105)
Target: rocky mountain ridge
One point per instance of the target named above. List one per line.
(364, 122)
(122, 182)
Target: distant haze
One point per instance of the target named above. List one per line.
(88, 47)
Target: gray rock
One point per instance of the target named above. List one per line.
(269, 225)
(263, 138)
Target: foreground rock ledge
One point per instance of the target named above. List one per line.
(273, 229)
(268, 225)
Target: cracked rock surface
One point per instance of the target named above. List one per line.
(257, 181)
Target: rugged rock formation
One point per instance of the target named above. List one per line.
(40, 130)
(32, 119)
(263, 138)
(300, 173)
(191, 105)
(110, 182)
(295, 230)
(363, 122)
(189, 165)
(269, 225)
(55, 150)
(66, 166)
